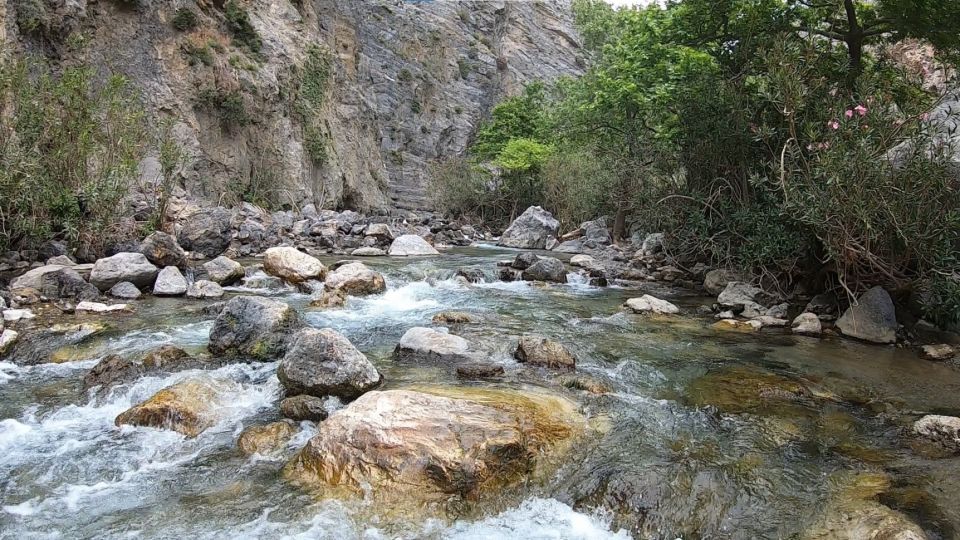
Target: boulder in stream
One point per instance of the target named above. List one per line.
(479, 370)
(203, 288)
(427, 344)
(872, 318)
(303, 407)
(415, 447)
(162, 249)
(411, 245)
(543, 352)
(368, 252)
(7, 338)
(324, 363)
(807, 324)
(292, 265)
(132, 267)
(453, 317)
(744, 299)
(254, 327)
(938, 353)
(546, 269)
(188, 407)
(943, 431)
(206, 231)
(170, 282)
(356, 279)
(125, 291)
(650, 304)
(266, 439)
(67, 283)
(223, 270)
(535, 228)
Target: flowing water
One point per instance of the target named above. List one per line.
(691, 447)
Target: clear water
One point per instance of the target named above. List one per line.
(670, 464)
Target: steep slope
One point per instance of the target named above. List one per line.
(399, 84)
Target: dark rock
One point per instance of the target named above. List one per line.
(540, 351)
(524, 261)
(479, 370)
(206, 231)
(873, 318)
(110, 371)
(303, 407)
(254, 327)
(162, 249)
(546, 269)
(324, 363)
(66, 283)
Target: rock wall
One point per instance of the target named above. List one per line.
(409, 82)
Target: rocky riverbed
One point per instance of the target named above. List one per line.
(435, 400)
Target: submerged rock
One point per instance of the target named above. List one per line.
(453, 317)
(112, 370)
(303, 407)
(254, 327)
(125, 291)
(188, 407)
(266, 439)
(535, 228)
(427, 344)
(324, 363)
(170, 282)
(356, 279)
(540, 351)
(739, 389)
(479, 370)
(132, 267)
(412, 447)
(650, 304)
(329, 299)
(411, 245)
(873, 318)
(292, 265)
(223, 270)
(546, 269)
(943, 431)
(938, 353)
(162, 249)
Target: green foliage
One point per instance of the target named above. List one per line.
(198, 54)
(405, 75)
(32, 16)
(942, 302)
(69, 149)
(464, 67)
(238, 22)
(227, 104)
(523, 155)
(314, 81)
(519, 117)
(184, 19)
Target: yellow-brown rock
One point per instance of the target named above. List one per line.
(188, 407)
(266, 439)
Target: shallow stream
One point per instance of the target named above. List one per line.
(707, 434)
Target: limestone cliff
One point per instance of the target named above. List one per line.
(406, 82)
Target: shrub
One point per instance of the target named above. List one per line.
(69, 149)
(32, 16)
(238, 22)
(197, 54)
(311, 94)
(576, 186)
(228, 104)
(184, 19)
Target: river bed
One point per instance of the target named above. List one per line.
(706, 433)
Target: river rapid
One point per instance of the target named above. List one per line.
(706, 434)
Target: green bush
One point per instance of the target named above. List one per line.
(238, 22)
(32, 16)
(198, 54)
(311, 94)
(69, 150)
(185, 19)
(228, 104)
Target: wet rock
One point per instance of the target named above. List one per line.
(853, 514)
(745, 298)
(546, 269)
(266, 439)
(125, 291)
(206, 231)
(479, 370)
(98, 307)
(7, 338)
(110, 371)
(292, 265)
(188, 407)
(167, 358)
(327, 299)
(303, 407)
(872, 318)
(203, 288)
(938, 353)
(807, 324)
(67, 283)
(223, 270)
(508, 274)
(543, 352)
(586, 384)
(254, 327)
(368, 252)
(471, 275)
(533, 229)
(355, 279)
(170, 282)
(733, 325)
(943, 431)
(14, 315)
(324, 363)
(54, 343)
(650, 304)
(162, 249)
(412, 447)
(715, 281)
(32, 278)
(453, 317)
(132, 267)
(427, 344)
(409, 245)
(771, 322)
(739, 389)
(524, 261)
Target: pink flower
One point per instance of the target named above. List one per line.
(925, 116)
(861, 110)
(833, 124)
(848, 114)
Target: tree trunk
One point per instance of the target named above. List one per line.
(620, 221)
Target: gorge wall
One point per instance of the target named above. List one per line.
(407, 82)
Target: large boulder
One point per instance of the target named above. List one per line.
(356, 279)
(546, 269)
(32, 278)
(111, 370)
(303, 407)
(67, 283)
(595, 233)
(872, 318)
(254, 327)
(188, 407)
(715, 281)
(414, 447)
(206, 231)
(427, 344)
(651, 304)
(535, 228)
(807, 324)
(411, 245)
(380, 232)
(223, 270)
(292, 265)
(853, 513)
(170, 282)
(543, 352)
(742, 297)
(124, 290)
(132, 267)
(204, 288)
(162, 249)
(324, 363)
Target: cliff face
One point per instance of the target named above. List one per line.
(404, 83)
